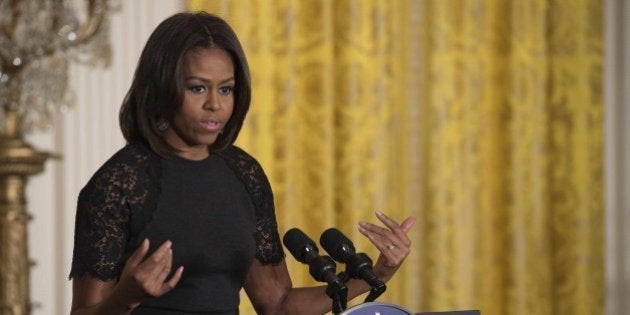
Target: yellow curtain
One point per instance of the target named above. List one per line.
(482, 118)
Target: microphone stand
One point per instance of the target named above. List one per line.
(322, 268)
(378, 287)
(338, 292)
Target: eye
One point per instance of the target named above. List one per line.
(226, 90)
(197, 89)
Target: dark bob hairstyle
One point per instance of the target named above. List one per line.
(157, 90)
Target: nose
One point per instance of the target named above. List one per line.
(213, 102)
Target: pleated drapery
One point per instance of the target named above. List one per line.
(483, 119)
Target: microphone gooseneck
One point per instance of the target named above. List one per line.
(321, 268)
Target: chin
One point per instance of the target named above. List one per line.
(209, 140)
(201, 141)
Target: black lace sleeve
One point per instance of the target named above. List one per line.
(103, 217)
(268, 245)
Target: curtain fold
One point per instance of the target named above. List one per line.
(483, 119)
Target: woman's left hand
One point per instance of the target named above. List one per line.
(391, 241)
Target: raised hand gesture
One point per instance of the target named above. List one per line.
(391, 241)
(143, 279)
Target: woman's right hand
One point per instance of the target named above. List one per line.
(143, 279)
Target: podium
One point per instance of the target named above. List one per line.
(380, 308)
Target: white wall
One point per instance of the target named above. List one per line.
(85, 137)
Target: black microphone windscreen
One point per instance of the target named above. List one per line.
(296, 242)
(333, 241)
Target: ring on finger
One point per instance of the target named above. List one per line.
(391, 247)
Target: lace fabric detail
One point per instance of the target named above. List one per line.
(120, 198)
(103, 214)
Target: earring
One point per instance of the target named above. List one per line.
(162, 124)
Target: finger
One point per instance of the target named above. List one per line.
(155, 264)
(376, 240)
(391, 224)
(379, 235)
(392, 247)
(166, 266)
(137, 256)
(392, 257)
(399, 229)
(383, 238)
(374, 229)
(162, 252)
(407, 224)
(381, 242)
(394, 243)
(172, 282)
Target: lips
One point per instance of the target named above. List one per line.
(211, 125)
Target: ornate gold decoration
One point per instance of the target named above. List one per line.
(38, 39)
(18, 160)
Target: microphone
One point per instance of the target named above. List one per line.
(358, 265)
(322, 268)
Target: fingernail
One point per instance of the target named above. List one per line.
(362, 223)
(378, 212)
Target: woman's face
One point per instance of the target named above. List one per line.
(208, 102)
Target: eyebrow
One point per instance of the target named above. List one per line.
(208, 81)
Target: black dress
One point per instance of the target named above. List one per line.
(218, 213)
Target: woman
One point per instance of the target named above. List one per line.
(180, 219)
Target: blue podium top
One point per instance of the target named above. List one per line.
(376, 308)
(380, 308)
